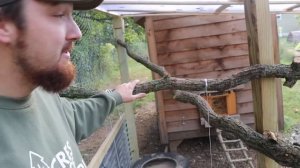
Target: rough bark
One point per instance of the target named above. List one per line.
(77, 92)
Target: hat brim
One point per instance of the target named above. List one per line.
(85, 4)
(78, 4)
(6, 2)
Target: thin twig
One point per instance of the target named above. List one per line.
(153, 67)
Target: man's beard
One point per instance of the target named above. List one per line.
(55, 79)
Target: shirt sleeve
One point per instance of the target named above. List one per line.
(86, 115)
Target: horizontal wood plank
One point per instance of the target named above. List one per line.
(165, 17)
(182, 115)
(208, 66)
(173, 105)
(248, 118)
(178, 111)
(212, 74)
(201, 31)
(244, 96)
(203, 54)
(187, 125)
(243, 108)
(167, 94)
(201, 132)
(252, 125)
(246, 86)
(195, 20)
(202, 42)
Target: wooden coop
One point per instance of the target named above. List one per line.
(204, 47)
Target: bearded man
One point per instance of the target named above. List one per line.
(37, 127)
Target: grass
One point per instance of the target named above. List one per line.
(139, 71)
(136, 71)
(291, 99)
(286, 51)
(291, 96)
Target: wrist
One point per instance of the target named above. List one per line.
(109, 90)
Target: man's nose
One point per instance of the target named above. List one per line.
(74, 32)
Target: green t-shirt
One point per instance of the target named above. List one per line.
(42, 130)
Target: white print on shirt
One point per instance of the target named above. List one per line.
(63, 159)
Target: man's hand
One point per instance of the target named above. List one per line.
(126, 89)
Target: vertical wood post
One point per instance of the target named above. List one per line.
(119, 30)
(163, 132)
(261, 51)
(278, 81)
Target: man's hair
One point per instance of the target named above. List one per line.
(13, 12)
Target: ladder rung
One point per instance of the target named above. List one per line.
(235, 149)
(218, 131)
(231, 141)
(241, 160)
(205, 123)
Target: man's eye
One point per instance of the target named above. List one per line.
(59, 15)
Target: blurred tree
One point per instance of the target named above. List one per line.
(94, 55)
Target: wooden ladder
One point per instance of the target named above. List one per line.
(227, 151)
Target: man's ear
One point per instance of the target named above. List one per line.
(7, 31)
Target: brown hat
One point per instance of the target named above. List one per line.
(78, 4)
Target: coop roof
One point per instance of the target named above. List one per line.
(168, 7)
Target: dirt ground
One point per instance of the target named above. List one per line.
(197, 151)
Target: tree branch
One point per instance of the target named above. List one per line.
(153, 67)
(75, 92)
(290, 73)
(246, 75)
(172, 83)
